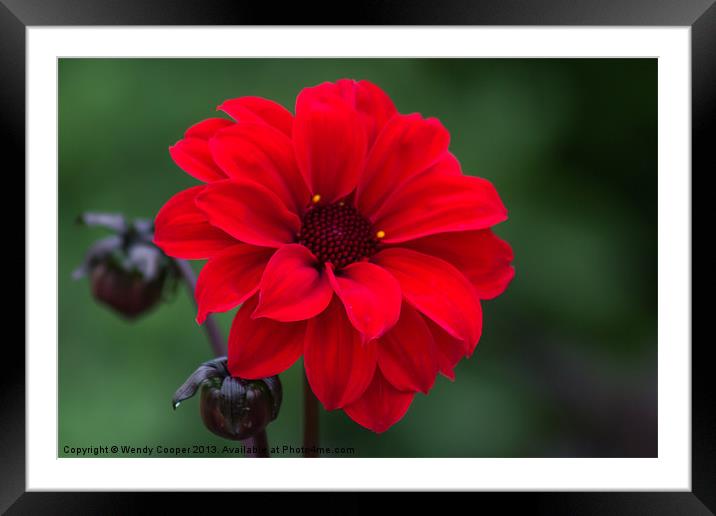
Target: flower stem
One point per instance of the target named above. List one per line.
(260, 442)
(213, 333)
(216, 341)
(310, 421)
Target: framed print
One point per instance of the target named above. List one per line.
(426, 249)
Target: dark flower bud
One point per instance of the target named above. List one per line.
(232, 408)
(127, 271)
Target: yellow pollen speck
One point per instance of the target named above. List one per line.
(316, 198)
(380, 234)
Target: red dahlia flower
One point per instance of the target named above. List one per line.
(351, 237)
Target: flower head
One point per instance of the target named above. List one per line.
(349, 235)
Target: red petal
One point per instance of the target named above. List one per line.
(375, 108)
(437, 289)
(257, 109)
(450, 350)
(447, 164)
(192, 154)
(293, 287)
(230, 278)
(183, 231)
(435, 203)
(373, 105)
(407, 354)
(205, 129)
(338, 365)
(330, 144)
(370, 295)
(193, 157)
(381, 406)
(261, 347)
(249, 212)
(408, 145)
(481, 256)
(257, 152)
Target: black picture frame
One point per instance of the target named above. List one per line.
(17, 15)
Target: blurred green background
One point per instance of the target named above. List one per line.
(567, 362)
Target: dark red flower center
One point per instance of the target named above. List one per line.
(338, 234)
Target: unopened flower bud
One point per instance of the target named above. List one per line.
(127, 271)
(232, 408)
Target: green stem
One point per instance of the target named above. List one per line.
(216, 341)
(310, 421)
